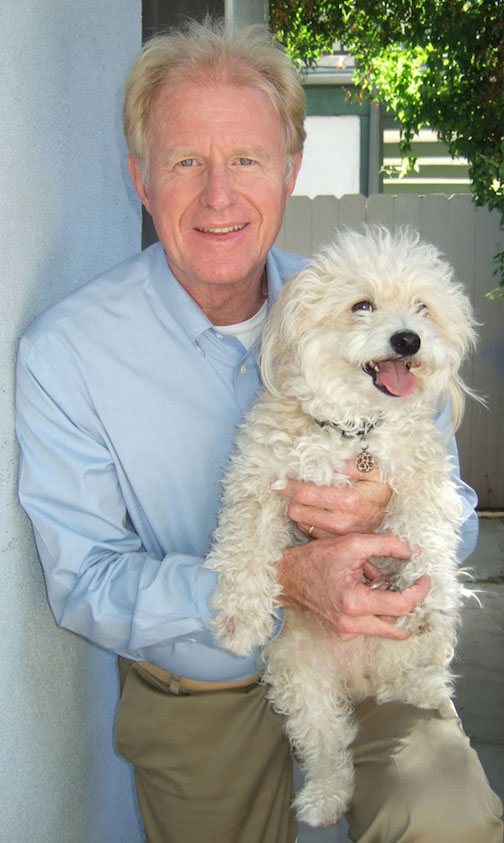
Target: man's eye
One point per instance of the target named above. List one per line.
(362, 305)
(245, 162)
(187, 162)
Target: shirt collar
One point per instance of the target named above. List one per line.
(182, 308)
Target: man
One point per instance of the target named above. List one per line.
(129, 394)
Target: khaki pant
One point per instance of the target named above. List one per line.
(418, 780)
(216, 768)
(209, 767)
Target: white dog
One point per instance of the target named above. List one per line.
(358, 351)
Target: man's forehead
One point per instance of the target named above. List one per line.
(177, 93)
(242, 116)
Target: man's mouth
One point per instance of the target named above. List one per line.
(393, 377)
(222, 229)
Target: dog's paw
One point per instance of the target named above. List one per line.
(417, 623)
(322, 803)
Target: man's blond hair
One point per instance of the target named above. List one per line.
(206, 54)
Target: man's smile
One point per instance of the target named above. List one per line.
(222, 229)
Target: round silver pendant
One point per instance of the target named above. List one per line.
(364, 462)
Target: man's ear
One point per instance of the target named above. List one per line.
(296, 161)
(137, 179)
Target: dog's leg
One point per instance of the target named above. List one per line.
(247, 546)
(426, 687)
(417, 671)
(319, 723)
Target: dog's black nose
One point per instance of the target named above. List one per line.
(405, 343)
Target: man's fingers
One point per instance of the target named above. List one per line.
(355, 507)
(368, 545)
(384, 608)
(354, 474)
(370, 485)
(325, 576)
(372, 572)
(329, 523)
(370, 625)
(309, 494)
(377, 602)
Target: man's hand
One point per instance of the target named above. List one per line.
(358, 507)
(326, 576)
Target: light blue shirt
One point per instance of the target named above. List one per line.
(127, 406)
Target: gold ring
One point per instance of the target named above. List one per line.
(310, 530)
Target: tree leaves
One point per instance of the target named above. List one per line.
(435, 63)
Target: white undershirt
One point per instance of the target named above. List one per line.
(247, 332)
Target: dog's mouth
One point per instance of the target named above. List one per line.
(393, 377)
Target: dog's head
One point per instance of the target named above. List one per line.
(375, 318)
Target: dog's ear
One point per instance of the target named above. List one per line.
(457, 391)
(450, 309)
(463, 324)
(283, 335)
(273, 348)
(294, 316)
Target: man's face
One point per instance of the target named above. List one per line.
(217, 183)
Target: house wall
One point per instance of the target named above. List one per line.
(66, 213)
(350, 164)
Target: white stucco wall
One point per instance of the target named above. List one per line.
(66, 213)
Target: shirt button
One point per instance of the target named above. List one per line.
(219, 336)
(243, 370)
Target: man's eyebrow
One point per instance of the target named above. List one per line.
(252, 152)
(169, 158)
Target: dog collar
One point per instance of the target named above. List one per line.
(364, 461)
(347, 432)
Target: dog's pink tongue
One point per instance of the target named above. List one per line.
(395, 377)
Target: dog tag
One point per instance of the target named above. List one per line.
(364, 461)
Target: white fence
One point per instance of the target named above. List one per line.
(469, 237)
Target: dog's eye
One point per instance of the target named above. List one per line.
(362, 305)
(422, 308)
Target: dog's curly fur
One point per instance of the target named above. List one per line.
(329, 327)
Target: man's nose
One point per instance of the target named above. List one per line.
(218, 191)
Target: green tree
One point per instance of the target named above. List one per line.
(436, 63)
